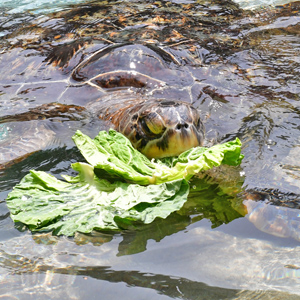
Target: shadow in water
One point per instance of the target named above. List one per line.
(173, 287)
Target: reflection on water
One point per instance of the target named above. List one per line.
(254, 4)
(241, 68)
(47, 6)
(41, 6)
(217, 259)
(282, 221)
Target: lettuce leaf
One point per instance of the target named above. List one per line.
(114, 153)
(139, 190)
(87, 203)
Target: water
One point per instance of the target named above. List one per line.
(240, 238)
(37, 7)
(47, 6)
(250, 4)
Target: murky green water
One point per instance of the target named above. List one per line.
(238, 239)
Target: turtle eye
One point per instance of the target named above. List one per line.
(152, 125)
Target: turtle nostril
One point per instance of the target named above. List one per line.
(180, 126)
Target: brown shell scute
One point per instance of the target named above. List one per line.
(130, 65)
(136, 57)
(123, 79)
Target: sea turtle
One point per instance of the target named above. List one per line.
(124, 76)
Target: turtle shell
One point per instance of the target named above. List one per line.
(93, 70)
(144, 67)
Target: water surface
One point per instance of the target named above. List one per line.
(238, 239)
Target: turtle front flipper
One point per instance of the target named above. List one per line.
(34, 137)
(47, 111)
(23, 134)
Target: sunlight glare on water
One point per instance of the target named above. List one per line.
(47, 6)
(253, 4)
(36, 6)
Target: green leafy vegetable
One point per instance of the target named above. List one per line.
(114, 153)
(43, 202)
(152, 189)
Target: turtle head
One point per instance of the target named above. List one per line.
(161, 128)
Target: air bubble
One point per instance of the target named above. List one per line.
(270, 143)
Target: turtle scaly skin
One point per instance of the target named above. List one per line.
(158, 128)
